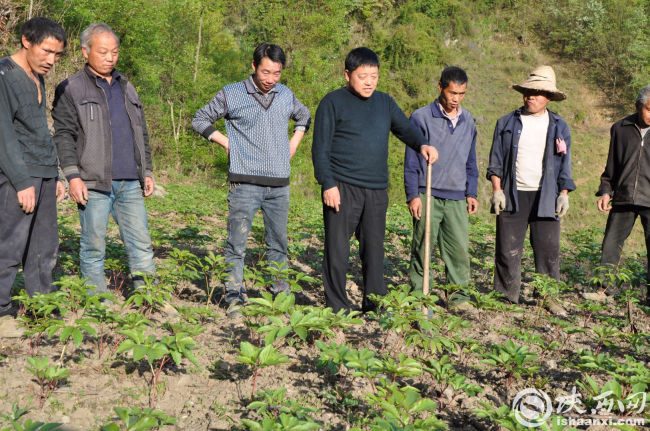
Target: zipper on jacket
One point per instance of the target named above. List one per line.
(638, 165)
(92, 118)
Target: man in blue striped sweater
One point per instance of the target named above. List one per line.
(257, 113)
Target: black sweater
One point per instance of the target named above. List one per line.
(351, 138)
(26, 146)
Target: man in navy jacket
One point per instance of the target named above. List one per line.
(530, 171)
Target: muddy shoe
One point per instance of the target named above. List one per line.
(234, 309)
(7, 310)
(555, 307)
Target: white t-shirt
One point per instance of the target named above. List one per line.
(530, 156)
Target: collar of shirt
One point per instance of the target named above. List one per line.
(455, 118)
(114, 73)
(252, 88)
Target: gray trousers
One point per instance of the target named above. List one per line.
(28, 239)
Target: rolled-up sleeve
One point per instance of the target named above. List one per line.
(300, 115)
(205, 117)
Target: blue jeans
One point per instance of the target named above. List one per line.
(244, 200)
(126, 204)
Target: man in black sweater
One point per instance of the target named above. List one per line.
(29, 186)
(350, 155)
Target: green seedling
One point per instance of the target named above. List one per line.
(196, 315)
(47, 376)
(30, 425)
(505, 417)
(108, 323)
(446, 377)
(118, 270)
(158, 352)
(149, 297)
(131, 321)
(257, 358)
(273, 403)
(285, 422)
(15, 414)
(136, 419)
(213, 269)
(178, 268)
(402, 408)
(74, 331)
(402, 367)
(605, 336)
(177, 328)
(513, 361)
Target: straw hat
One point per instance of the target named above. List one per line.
(542, 79)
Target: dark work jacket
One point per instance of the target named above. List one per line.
(82, 130)
(627, 173)
(556, 175)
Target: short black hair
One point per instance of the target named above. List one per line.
(361, 56)
(453, 74)
(39, 28)
(273, 52)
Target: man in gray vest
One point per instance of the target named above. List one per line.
(29, 188)
(257, 113)
(451, 130)
(103, 144)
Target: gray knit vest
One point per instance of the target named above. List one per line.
(258, 137)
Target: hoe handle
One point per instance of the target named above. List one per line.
(427, 233)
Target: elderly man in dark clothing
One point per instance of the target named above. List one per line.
(101, 134)
(350, 155)
(29, 186)
(626, 183)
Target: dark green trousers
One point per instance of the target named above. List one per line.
(449, 228)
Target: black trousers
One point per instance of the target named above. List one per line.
(511, 232)
(619, 226)
(30, 239)
(363, 213)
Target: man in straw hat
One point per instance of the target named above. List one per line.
(627, 179)
(530, 171)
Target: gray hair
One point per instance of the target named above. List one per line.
(643, 96)
(92, 30)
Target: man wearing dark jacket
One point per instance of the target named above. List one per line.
(530, 171)
(626, 182)
(29, 186)
(101, 135)
(350, 156)
(450, 130)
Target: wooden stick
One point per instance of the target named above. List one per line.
(427, 235)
